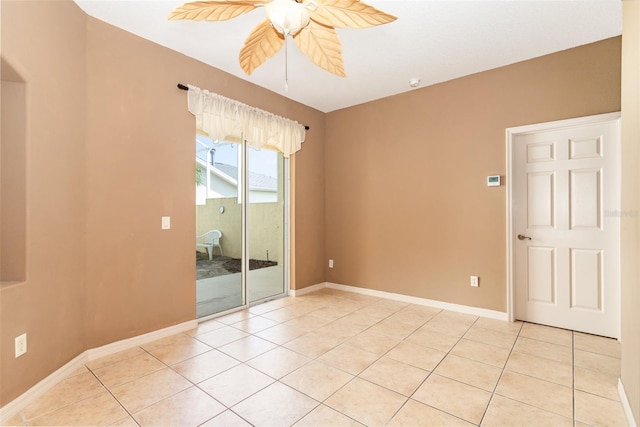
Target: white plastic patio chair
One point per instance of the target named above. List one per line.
(210, 239)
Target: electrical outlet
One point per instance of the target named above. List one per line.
(21, 345)
(330, 263)
(474, 281)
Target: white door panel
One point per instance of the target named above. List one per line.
(585, 204)
(565, 263)
(586, 279)
(544, 275)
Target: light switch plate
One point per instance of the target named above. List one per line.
(166, 222)
(21, 345)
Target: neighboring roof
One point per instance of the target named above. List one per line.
(257, 181)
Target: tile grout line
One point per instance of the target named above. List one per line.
(150, 373)
(111, 393)
(432, 371)
(504, 368)
(319, 361)
(341, 342)
(27, 420)
(387, 352)
(435, 367)
(573, 377)
(380, 356)
(543, 357)
(276, 380)
(322, 403)
(349, 373)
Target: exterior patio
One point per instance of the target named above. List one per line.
(219, 282)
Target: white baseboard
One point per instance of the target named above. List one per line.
(625, 404)
(12, 408)
(126, 344)
(476, 311)
(307, 290)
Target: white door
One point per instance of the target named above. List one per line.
(565, 226)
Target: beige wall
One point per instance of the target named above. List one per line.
(110, 150)
(44, 42)
(630, 223)
(135, 109)
(408, 209)
(308, 209)
(138, 169)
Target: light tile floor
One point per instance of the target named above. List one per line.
(333, 358)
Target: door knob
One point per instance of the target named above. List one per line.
(523, 237)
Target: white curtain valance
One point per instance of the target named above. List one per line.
(225, 119)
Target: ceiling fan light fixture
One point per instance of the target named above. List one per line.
(287, 16)
(319, 41)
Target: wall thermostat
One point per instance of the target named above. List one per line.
(493, 181)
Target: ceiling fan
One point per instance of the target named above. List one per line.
(311, 23)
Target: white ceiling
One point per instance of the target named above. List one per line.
(433, 40)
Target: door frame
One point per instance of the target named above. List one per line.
(510, 135)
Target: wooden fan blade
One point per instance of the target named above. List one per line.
(214, 10)
(348, 13)
(262, 43)
(322, 46)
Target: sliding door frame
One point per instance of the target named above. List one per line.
(244, 195)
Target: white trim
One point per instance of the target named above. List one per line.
(307, 290)
(243, 179)
(510, 133)
(619, 225)
(625, 404)
(565, 123)
(287, 224)
(510, 294)
(115, 347)
(476, 311)
(14, 407)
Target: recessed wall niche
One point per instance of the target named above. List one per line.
(13, 189)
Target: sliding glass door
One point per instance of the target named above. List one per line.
(240, 226)
(218, 227)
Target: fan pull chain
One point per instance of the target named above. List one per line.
(286, 65)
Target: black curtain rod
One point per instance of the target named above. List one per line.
(183, 87)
